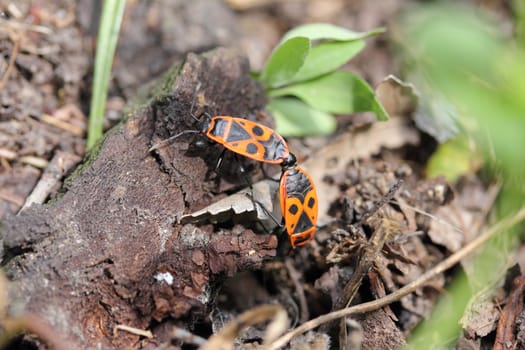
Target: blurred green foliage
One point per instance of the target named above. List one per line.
(461, 55)
(453, 159)
(459, 52)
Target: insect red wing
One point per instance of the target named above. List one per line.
(247, 148)
(311, 210)
(298, 205)
(275, 147)
(293, 211)
(249, 139)
(310, 205)
(232, 135)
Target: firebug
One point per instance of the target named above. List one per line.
(247, 138)
(244, 137)
(298, 199)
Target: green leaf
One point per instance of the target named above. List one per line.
(285, 62)
(112, 14)
(339, 92)
(452, 159)
(316, 31)
(327, 57)
(295, 118)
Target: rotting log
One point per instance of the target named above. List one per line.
(103, 252)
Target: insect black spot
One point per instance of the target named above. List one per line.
(293, 209)
(251, 148)
(311, 203)
(257, 130)
(301, 240)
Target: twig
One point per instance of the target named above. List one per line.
(30, 323)
(59, 165)
(64, 118)
(133, 330)
(14, 11)
(36, 162)
(294, 275)
(5, 164)
(507, 322)
(71, 128)
(367, 255)
(13, 199)
(433, 217)
(24, 26)
(366, 260)
(409, 288)
(44, 50)
(188, 337)
(381, 202)
(12, 58)
(7, 154)
(225, 338)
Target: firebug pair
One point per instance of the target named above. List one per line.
(255, 141)
(297, 194)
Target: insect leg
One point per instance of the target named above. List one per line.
(219, 160)
(169, 139)
(268, 176)
(263, 208)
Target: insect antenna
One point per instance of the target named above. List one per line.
(164, 142)
(208, 116)
(191, 111)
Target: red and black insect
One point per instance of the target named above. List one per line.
(247, 138)
(299, 205)
(244, 137)
(252, 140)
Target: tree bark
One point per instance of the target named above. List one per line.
(103, 252)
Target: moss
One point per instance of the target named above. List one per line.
(155, 90)
(90, 157)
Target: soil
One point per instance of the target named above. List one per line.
(94, 241)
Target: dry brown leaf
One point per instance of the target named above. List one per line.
(311, 341)
(226, 336)
(351, 146)
(448, 227)
(480, 317)
(459, 221)
(396, 96)
(240, 207)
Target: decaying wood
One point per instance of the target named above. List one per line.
(505, 337)
(109, 250)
